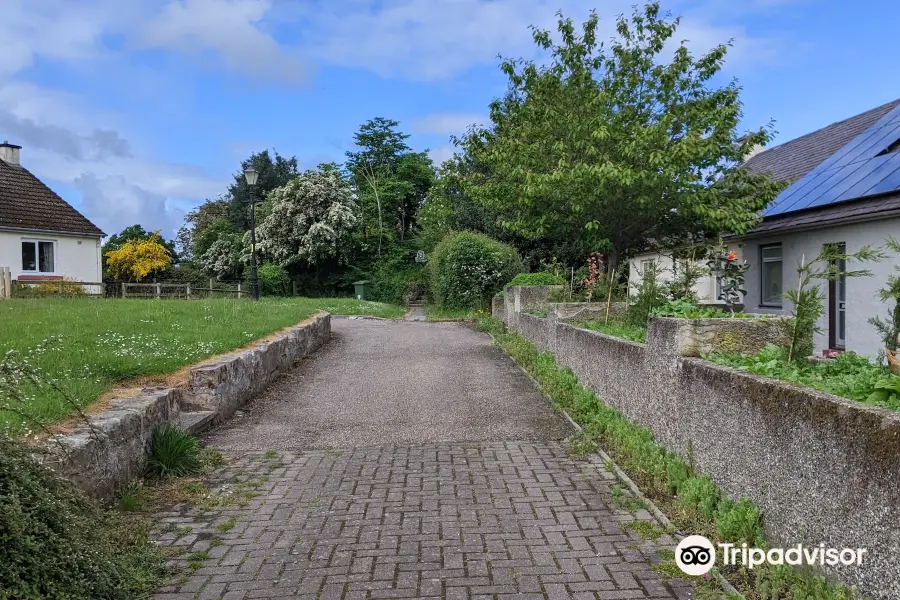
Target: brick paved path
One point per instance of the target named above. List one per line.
(492, 519)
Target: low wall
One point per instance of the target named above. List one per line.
(586, 311)
(224, 386)
(518, 299)
(102, 456)
(498, 307)
(821, 468)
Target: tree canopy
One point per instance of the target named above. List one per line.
(615, 144)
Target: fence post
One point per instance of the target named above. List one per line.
(239, 290)
(124, 291)
(157, 291)
(188, 291)
(5, 283)
(293, 288)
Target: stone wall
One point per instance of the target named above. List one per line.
(224, 386)
(102, 456)
(821, 468)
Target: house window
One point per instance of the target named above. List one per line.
(770, 275)
(647, 265)
(38, 256)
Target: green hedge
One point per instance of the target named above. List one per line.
(466, 269)
(537, 279)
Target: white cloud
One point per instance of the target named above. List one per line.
(436, 39)
(112, 203)
(230, 29)
(447, 123)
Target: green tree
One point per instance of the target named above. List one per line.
(272, 174)
(390, 179)
(203, 226)
(614, 144)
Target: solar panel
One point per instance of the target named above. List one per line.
(854, 171)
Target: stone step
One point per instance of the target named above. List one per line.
(196, 421)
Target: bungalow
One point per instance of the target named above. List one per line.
(41, 235)
(845, 190)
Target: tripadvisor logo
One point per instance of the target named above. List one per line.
(696, 555)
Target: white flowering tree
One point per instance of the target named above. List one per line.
(308, 220)
(223, 258)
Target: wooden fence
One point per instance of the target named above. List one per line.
(156, 290)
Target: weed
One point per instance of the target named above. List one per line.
(173, 453)
(183, 530)
(133, 498)
(649, 530)
(227, 525)
(579, 445)
(270, 454)
(215, 542)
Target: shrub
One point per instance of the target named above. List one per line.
(537, 279)
(273, 280)
(57, 543)
(466, 269)
(651, 293)
(684, 309)
(173, 453)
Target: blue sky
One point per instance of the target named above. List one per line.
(136, 111)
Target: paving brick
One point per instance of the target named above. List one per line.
(491, 520)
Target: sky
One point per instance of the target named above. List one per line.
(137, 111)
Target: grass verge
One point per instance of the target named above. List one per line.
(691, 500)
(439, 313)
(85, 346)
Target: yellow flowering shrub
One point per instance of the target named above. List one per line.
(136, 259)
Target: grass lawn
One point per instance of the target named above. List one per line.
(617, 329)
(87, 345)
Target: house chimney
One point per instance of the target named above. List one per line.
(9, 153)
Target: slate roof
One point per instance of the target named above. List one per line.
(26, 203)
(795, 159)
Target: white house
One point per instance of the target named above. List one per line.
(705, 289)
(845, 190)
(41, 235)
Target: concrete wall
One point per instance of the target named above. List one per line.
(77, 257)
(862, 293)
(102, 456)
(519, 299)
(821, 468)
(705, 288)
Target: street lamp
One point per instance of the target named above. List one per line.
(251, 175)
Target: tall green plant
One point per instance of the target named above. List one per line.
(809, 297)
(651, 293)
(889, 327)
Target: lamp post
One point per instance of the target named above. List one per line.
(250, 174)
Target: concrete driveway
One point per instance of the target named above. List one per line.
(410, 460)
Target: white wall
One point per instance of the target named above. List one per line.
(705, 288)
(76, 258)
(862, 293)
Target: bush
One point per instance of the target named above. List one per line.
(537, 279)
(57, 543)
(173, 453)
(466, 269)
(273, 280)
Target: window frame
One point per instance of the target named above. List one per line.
(762, 274)
(37, 256)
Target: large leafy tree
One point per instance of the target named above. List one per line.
(391, 180)
(203, 226)
(615, 144)
(273, 173)
(308, 220)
